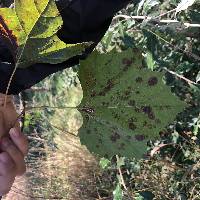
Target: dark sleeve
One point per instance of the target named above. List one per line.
(84, 20)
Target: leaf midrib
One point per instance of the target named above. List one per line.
(27, 35)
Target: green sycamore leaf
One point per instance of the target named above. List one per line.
(124, 105)
(31, 28)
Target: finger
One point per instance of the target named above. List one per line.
(7, 173)
(18, 158)
(7, 166)
(19, 140)
(7, 184)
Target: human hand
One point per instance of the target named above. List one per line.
(13, 149)
(8, 115)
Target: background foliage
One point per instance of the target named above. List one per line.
(172, 170)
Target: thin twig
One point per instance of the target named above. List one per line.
(186, 24)
(121, 175)
(181, 77)
(196, 57)
(163, 14)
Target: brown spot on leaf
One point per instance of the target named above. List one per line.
(87, 83)
(88, 132)
(127, 93)
(132, 126)
(114, 137)
(132, 119)
(140, 137)
(122, 146)
(128, 137)
(107, 88)
(93, 94)
(139, 80)
(110, 84)
(116, 116)
(95, 130)
(147, 125)
(137, 110)
(105, 104)
(148, 110)
(151, 116)
(87, 118)
(137, 92)
(108, 62)
(152, 81)
(163, 107)
(102, 93)
(131, 103)
(127, 63)
(100, 141)
(106, 156)
(158, 121)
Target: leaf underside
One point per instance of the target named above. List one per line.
(124, 105)
(34, 24)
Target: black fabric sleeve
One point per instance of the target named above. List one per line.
(84, 20)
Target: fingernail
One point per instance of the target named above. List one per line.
(14, 132)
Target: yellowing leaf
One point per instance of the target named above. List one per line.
(35, 23)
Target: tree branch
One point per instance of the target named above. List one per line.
(181, 77)
(165, 21)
